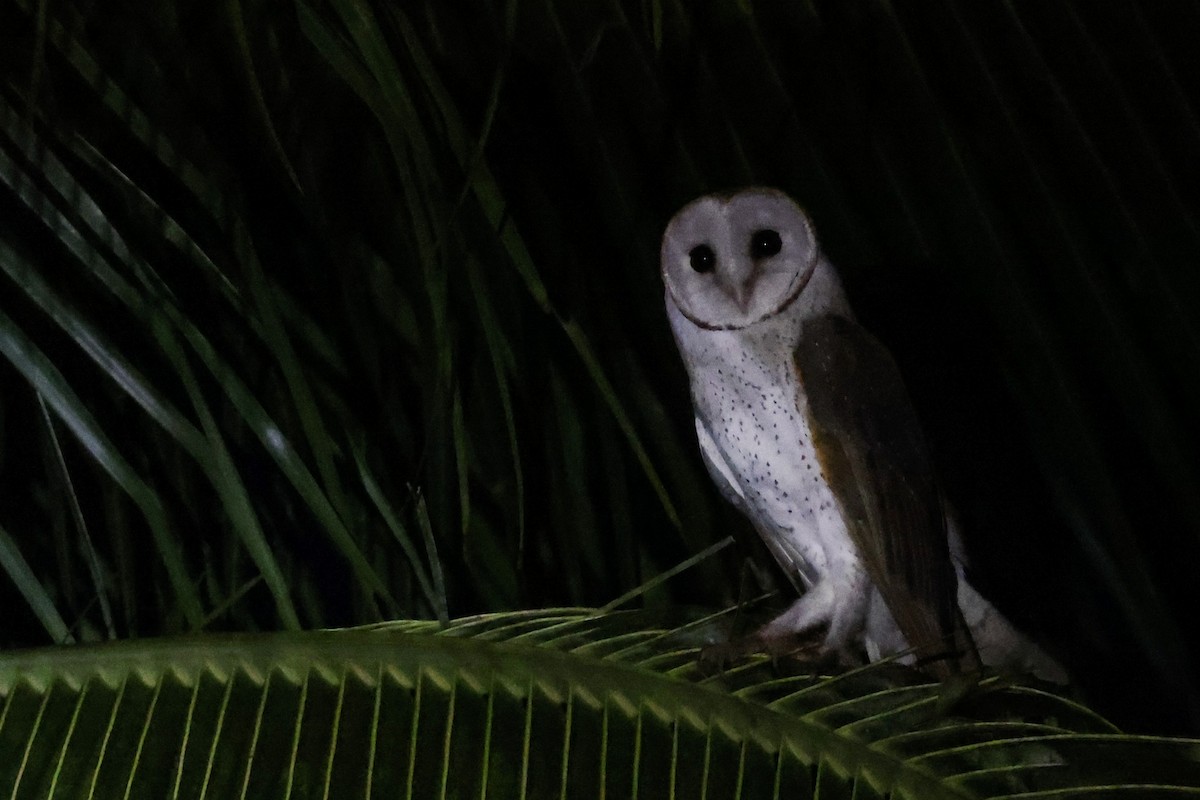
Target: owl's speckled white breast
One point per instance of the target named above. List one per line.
(748, 397)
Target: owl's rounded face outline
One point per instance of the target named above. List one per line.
(730, 261)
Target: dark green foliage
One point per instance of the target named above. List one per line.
(318, 313)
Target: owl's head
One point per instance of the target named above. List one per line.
(730, 261)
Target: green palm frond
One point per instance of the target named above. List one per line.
(557, 703)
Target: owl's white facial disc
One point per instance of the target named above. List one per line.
(731, 261)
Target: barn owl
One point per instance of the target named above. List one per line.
(805, 426)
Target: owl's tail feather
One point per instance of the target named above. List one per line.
(944, 650)
(1001, 646)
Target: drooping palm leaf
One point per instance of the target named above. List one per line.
(558, 703)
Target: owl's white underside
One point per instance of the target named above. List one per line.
(755, 440)
(753, 433)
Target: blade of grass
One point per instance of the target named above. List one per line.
(439, 578)
(489, 114)
(502, 363)
(436, 599)
(231, 601)
(91, 556)
(31, 589)
(233, 11)
(301, 393)
(458, 428)
(574, 519)
(45, 378)
(657, 580)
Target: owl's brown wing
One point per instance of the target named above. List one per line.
(870, 446)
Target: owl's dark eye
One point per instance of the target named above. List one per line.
(765, 243)
(702, 258)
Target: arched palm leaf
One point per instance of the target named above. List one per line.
(559, 703)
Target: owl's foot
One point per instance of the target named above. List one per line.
(842, 613)
(793, 654)
(804, 647)
(806, 644)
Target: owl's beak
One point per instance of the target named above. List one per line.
(741, 292)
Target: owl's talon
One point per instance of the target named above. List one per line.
(716, 658)
(805, 648)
